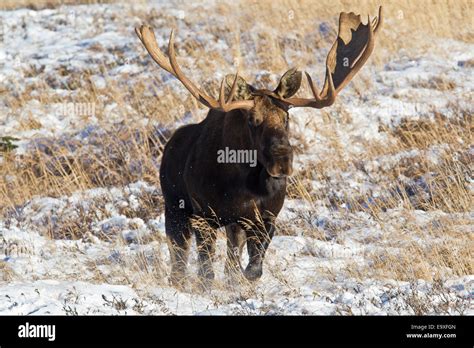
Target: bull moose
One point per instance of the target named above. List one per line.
(244, 198)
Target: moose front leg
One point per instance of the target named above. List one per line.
(178, 232)
(258, 240)
(235, 243)
(206, 244)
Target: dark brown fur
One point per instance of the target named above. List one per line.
(244, 199)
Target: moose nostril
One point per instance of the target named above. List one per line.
(281, 150)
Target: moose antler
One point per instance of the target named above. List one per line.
(350, 51)
(147, 37)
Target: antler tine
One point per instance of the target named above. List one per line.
(139, 34)
(170, 64)
(355, 43)
(199, 95)
(228, 105)
(379, 21)
(330, 97)
(233, 88)
(222, 101)
(313, 87)
(147, 37)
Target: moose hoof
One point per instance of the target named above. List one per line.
(253, 272)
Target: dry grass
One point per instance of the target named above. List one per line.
(116, 158)
(437, 249)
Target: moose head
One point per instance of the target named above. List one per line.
(268, 110)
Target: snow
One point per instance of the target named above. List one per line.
(50, 274)
(120, 264)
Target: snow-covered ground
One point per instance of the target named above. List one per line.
(118, 261)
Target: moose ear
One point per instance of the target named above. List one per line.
(289, 84)
(244, 90)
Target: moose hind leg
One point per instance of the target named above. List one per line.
(258, 240)
(178, 232)
(236, 239)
